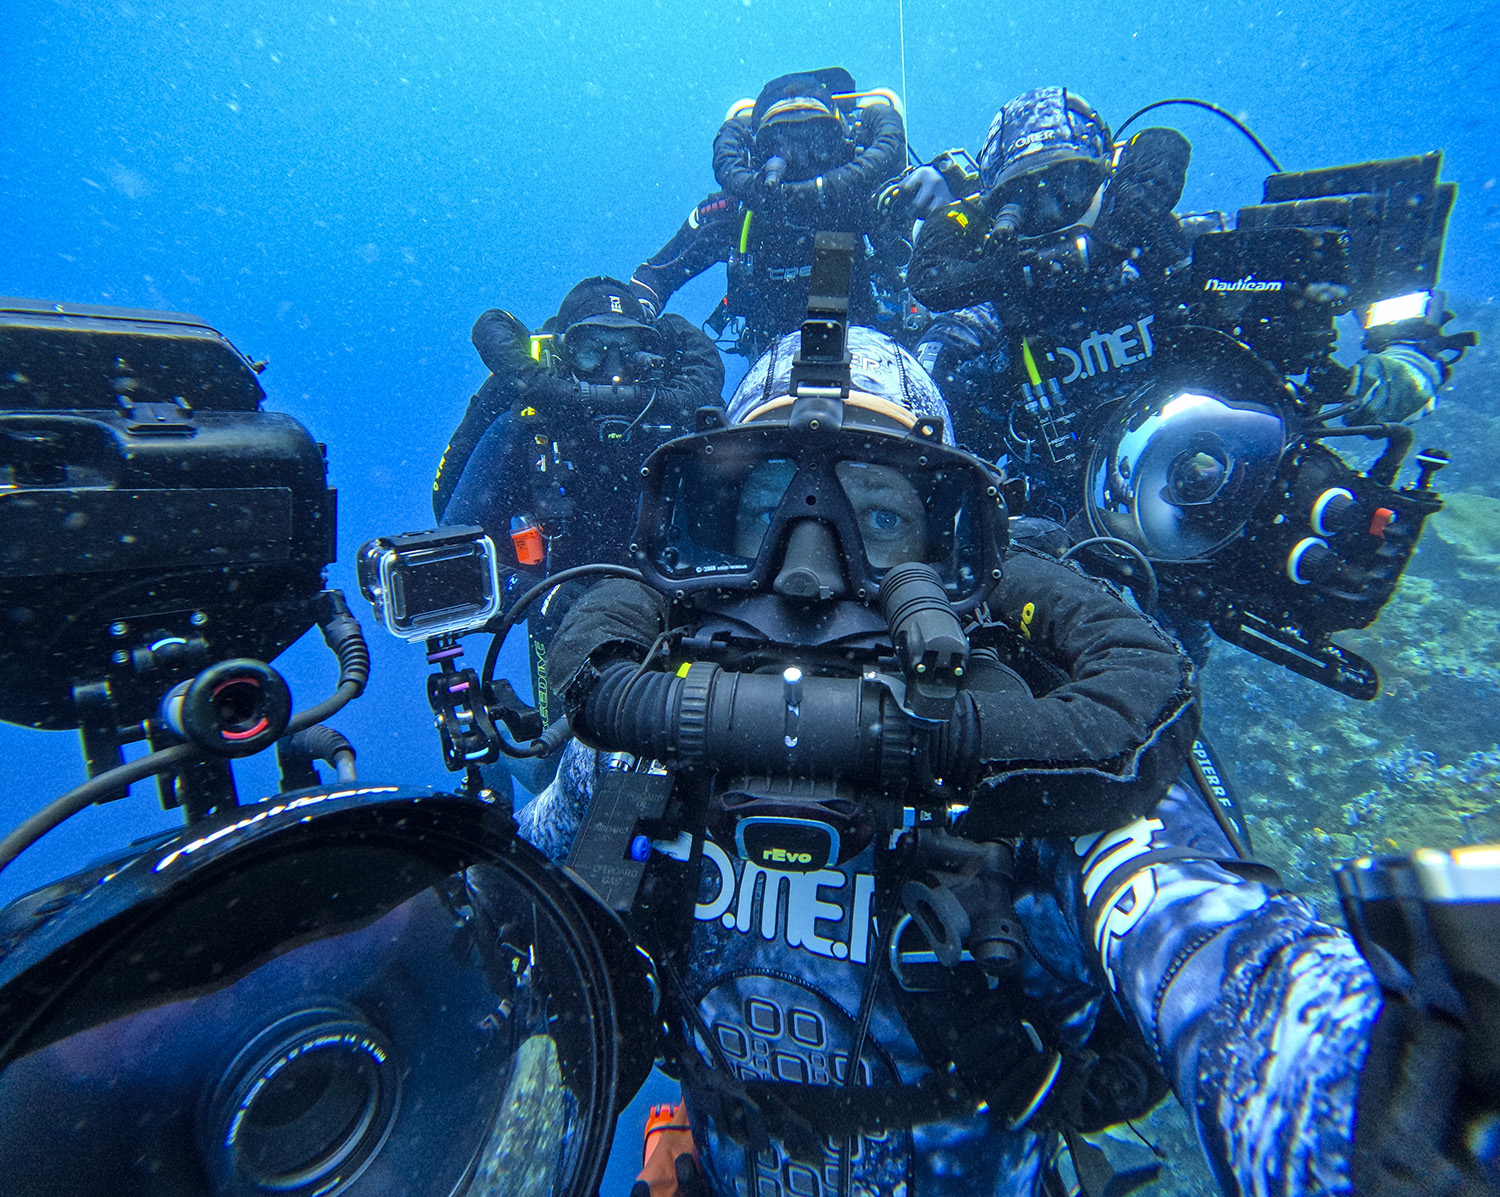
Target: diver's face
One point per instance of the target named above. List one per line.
(759, 499)
(887, 510)
(808, 147)
(1054, 198)
(601, 354)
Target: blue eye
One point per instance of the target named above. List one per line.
(882, 519)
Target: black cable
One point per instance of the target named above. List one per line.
(342, 633)
(1153, 590)
(96, 788)
(1214, 108)
(513, 616)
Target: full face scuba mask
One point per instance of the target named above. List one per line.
(807, 145)
(720, 511)
(1054, 197)
(591, 348)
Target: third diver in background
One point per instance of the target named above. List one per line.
(809, 156)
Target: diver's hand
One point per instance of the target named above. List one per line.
(1396, 384)
(689, 1182)
(969, 331)
(503, 343)
(770, 193)
(923, 191)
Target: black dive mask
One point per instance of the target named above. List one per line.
(768, 509)
(602, 351)
(1055, 197)
(806, 146)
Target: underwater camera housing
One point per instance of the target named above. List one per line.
(1322, 243)
(153, 518)
(1216, 470)
(349, 988)
(1249, 521)
(425, 584)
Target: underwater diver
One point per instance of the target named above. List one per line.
(1068, 286)
(547, 454)
(362, 988)
(808, 155)
(1070, 262)
(947, 994)
(776, 536)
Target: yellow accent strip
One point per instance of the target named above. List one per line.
(683, 668)
(878, 95)
(1027, 612)
(963, 221)
(796, 104)
(1031, 371)
(745, 230)
(864, 399)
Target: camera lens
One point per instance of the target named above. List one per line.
(303, 1107)
(1196, 476)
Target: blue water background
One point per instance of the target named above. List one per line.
(341, 187)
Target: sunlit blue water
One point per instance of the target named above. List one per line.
(341, 186)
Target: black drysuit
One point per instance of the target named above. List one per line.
(765, 234)
(591, 426)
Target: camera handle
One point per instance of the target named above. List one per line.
(1428, 1118)
(341, 631)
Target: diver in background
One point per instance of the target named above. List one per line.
(604, 368)
(1070, 259)
(546, 456)
(807, 157)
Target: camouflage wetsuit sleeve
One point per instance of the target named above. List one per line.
(706, 237)
(1259, 1013)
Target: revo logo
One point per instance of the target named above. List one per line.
(783, 856)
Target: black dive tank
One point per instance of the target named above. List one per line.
(367, 991)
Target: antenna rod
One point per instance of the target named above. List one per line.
(905, 99)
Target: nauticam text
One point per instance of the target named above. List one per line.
(1248, 283)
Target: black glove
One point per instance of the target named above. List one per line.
(690, 1180)
(503, 343)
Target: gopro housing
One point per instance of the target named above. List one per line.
(428, 584)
